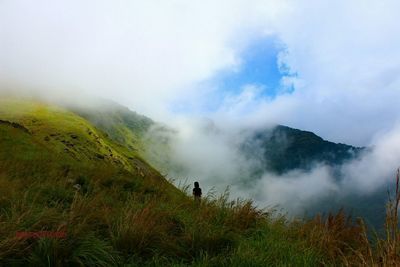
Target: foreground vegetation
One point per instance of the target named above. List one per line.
(114, 226)
(58, 173)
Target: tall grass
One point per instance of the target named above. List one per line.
(346, 242)
(109, 226)
(123, 220)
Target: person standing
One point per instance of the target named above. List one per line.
(197, 192)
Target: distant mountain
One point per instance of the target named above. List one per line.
(284, 149)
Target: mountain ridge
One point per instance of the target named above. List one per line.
(286, 149)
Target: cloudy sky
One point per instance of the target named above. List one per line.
(331, 67)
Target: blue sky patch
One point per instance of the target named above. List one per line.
(258, 67)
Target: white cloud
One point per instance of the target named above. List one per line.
(296, 190)
(347, 54)
(376, 168)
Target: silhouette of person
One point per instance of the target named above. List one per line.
(197, 192)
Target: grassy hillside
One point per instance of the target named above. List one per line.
(130, 130)
(121, 124)
(59, 173)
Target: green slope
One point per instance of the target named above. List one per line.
(52, 159)
(134, 131)
(35, 133)
(60, 173)
(121, 124)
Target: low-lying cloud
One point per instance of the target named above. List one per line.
(202, 151)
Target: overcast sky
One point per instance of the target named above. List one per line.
(331, 67)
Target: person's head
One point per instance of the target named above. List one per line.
(196, 184)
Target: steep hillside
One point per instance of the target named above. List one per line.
(35, 132)
(131, 130)
(57, 171)
(122, 125)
